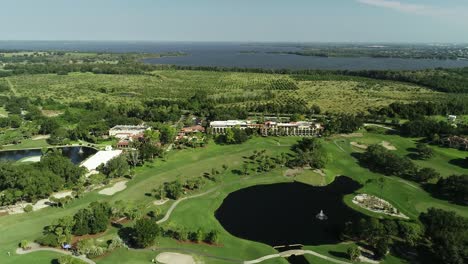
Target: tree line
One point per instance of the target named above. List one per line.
(378, 159)
(440, 234)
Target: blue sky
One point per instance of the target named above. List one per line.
(236, 20)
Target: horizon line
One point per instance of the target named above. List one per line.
(232, 41)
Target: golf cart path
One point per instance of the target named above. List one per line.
(36, 247)
(378, 125)
(295, 252)
(174, 205)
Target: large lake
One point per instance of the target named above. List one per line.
(231, 55)
(285, 213)
(73, 153)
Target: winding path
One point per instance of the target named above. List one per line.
(36, 247)
(295, 252)
(174, 205)
(378, 125)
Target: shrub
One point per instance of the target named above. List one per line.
(50, 240)
(116, 242)
(354, 253)
(212, 237)
(24, 244)
(28, 208)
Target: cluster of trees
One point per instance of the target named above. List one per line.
(343, 123)
(91, 220)
(309, 152)
(430, 128)
(444, 80)
(380, 234)
(379, 159)
(234, 136)
(116, 167)
(31, 182)
(453, 188)
(211, 237)
(448, 234)
(423, 151)
(123, 67)
(144, 233)
(175, 189)
(260, 162)
(120, 209)
(92, 248)
(456, 105)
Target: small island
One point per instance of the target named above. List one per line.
(377, 205)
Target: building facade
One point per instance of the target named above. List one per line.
(302, 129)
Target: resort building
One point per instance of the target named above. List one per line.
(219, 127)
(127, 132)
(302, 129)
(269, 128)
(188, 132)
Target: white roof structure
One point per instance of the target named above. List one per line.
(101, 157)
(228, 123)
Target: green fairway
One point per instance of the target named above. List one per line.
(198, 212)
(27, 144)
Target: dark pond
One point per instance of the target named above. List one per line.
(76, 156)
(285, 213)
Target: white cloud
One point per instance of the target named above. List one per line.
(410, 8)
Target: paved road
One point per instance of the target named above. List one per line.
(36, 247)
(295, 252)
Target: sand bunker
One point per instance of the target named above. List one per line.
(351, 135)
(388, 145)
(43, 203)
(32, 159)
(175, 258)
(293, 172)
(39, 137)
(161, 202)
(357, 145)
(117, 187)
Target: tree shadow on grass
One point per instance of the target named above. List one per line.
(126, 234)
(462, 163)
(297, 260)
(413, 156)
(338, 254)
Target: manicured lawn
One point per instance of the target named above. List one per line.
(196, 213)
(28, 143)
(311, 177)
(35, 257)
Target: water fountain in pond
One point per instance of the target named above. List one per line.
(321, 216)
(80, 151)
